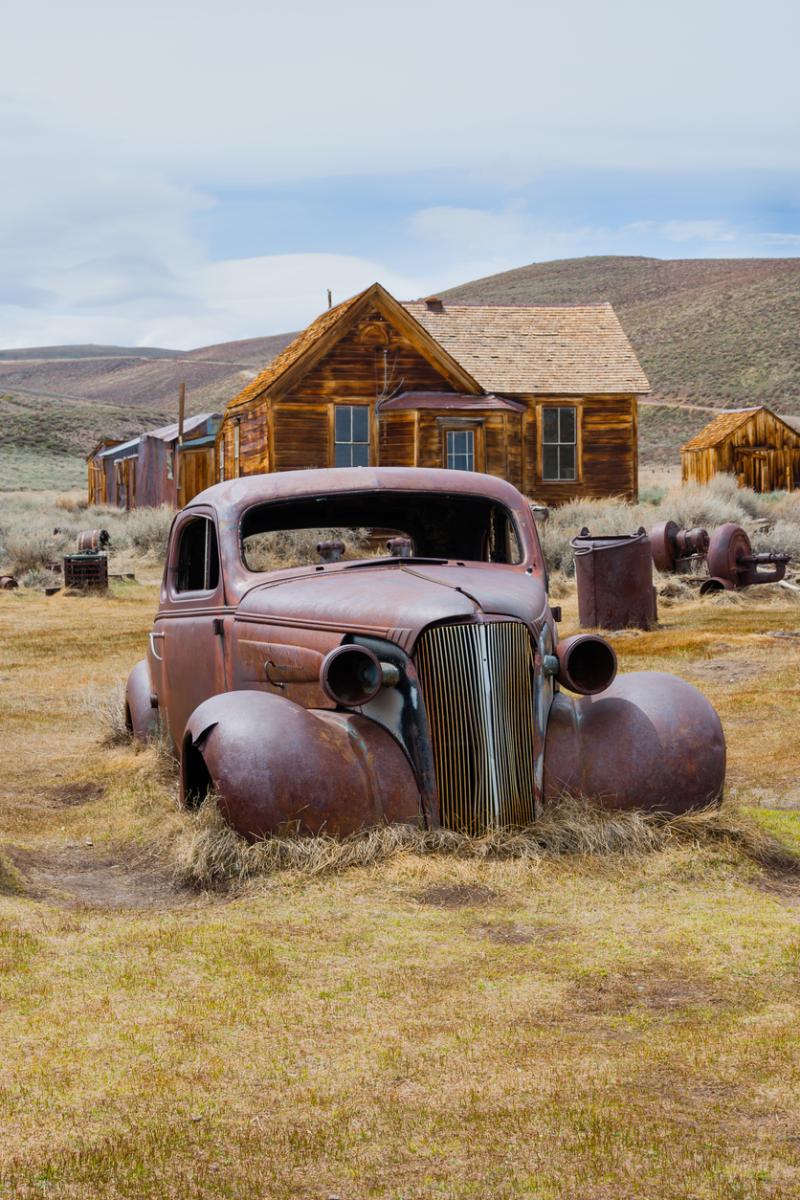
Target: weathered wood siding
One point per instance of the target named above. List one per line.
(398, 439)
(763, 454)
(498, 440)
(197, 471)
(293, 428)
(606, 449)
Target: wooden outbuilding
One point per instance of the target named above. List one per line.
(760, 448)
(157, 467)
(545, 397)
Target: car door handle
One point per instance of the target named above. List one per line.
(153, 636)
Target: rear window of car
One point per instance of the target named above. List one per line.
(356, 525)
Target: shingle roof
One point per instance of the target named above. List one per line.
(721, 427)
(565, 350)
(295, 350)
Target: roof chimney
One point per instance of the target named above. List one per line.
(434, 304)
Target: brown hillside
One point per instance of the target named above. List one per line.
(710, 331)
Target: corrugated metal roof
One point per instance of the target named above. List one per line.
(168, 433)
(113, 451)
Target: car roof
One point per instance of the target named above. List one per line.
(235, 495)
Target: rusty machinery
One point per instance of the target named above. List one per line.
(614, 575)
(87, 570)
(8, 583)
(426, 685)
(727, 555)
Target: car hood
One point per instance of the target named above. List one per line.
(396, 600)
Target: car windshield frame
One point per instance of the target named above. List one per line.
(471, 504)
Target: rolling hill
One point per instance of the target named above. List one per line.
(709, 333)
(58, 401)
(721, 332)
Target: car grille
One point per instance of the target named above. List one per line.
(477, 681)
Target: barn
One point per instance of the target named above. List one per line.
(545, 397)
(157, 467)
(760, 448)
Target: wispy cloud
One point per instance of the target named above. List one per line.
(519, 133)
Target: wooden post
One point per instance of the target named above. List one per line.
(330, 298)
(181, 414)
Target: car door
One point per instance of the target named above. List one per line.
(190, 629)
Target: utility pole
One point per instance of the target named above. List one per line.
(181, 415)
(330, 298)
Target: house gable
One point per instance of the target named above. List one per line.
(315, 342)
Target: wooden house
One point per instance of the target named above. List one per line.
(545, 397)
(156, 467)
(760, 448)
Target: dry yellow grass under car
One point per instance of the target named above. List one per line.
(591, 1026)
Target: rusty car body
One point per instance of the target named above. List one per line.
(406, 668)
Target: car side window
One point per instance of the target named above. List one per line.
(198, 557)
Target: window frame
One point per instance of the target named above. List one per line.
(469, 454)
(176, 541)
(236, 449)
(577, 443)
(221, 459)
(335, 442)
(477, 426)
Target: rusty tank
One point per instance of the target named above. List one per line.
(93, 541)
(614, 575)
(316, 679)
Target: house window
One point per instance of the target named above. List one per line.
(559, 437)
(460, 449)
(221, 460)
(351, 435)
(236, 450)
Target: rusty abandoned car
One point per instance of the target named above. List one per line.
(401, 663)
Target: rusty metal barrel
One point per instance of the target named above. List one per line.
(615, 581)
(93, 540)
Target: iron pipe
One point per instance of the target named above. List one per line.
(587, 664)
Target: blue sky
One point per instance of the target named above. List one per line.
(191, 173)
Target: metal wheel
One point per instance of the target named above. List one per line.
(662, 545)
(728, 544)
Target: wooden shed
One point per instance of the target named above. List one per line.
(545, 397)
(760, 448)
(156, 467)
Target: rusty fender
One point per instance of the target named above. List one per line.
(278, 767)
(141, 707)
(650, 741)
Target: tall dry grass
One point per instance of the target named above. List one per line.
(209, 854)
(37, 530)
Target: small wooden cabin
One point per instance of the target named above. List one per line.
(156, 467)
(545, 397)
(754, 444)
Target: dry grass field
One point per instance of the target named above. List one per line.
(594, 1026)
